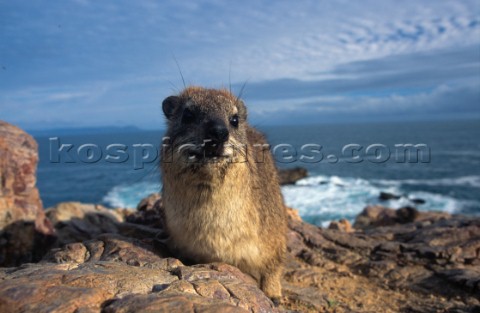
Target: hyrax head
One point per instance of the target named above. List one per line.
(205, 124)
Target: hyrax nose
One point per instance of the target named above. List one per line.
(217, 131)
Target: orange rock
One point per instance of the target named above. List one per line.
(23, 225)
(293, 214)
(342, 225)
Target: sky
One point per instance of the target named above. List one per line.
(89, 63)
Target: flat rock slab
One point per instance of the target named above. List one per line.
(429, 265)
(117, 274)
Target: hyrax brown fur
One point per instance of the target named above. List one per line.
(222, 203)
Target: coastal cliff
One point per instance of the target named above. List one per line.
(78, 257)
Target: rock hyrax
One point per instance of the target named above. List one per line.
(222, 203)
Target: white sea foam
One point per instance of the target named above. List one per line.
(323, 198)
(465, 181)
(128, 196)
(320, 199)
(328, 198)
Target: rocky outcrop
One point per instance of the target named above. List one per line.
(24, 230)
(118, 266)
(428, 265)
(341, 225)
(118, 274)
(431, 265)
(291, 175)
(77, 222)
(377, 215)
(385, 196)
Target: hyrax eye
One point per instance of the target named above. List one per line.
(234, 120)
(188, 116)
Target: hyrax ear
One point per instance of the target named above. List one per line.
(169, 105)
(242, 109)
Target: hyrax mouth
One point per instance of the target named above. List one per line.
(213, 150)
(208, 151)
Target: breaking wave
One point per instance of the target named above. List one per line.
(320, 199)
(128, 196)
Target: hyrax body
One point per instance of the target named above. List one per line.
(222, 203)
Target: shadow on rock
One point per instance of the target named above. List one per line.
(22, 242)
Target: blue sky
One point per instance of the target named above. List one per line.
(100, 63)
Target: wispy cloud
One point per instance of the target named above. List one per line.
(458, 102)
(115, 58)
(397, 73)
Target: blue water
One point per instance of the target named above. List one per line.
(448, 179)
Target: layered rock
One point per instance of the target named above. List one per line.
(24, 229)
(429, 265)
(113, 273)
(76, 222)
(161, 286)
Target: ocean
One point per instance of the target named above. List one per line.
(429, 165)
